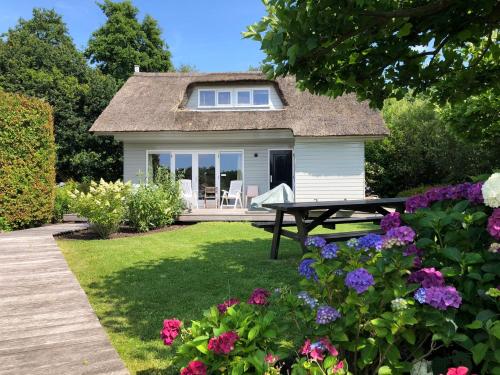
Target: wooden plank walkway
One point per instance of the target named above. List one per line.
(47, 325)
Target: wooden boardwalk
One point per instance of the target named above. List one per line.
(46, 323)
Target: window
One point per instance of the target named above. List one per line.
(224, 98)
(207, 98)
(157, 165)
(243, 98)
(261, 97)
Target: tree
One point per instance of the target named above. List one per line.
(381, 49)
(123, 42)
(38, 58)
(422, 150)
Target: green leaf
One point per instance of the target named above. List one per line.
(404, 30)
(203, 347)
(292, 54)
(478, 352)
(495, 330)
(461, 206)
(409, 336)
(385, 370)
(253, 332)
(476, 324)
(379, 322)
(473, 258)
(452, 253)
(424, 242)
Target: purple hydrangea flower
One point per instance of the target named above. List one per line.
(435, 194)
(443, 297)
(352, 243)
(399, 236)
(359, 280)
(308, 299)
(416, 202)
(494, 224)
(316, 241)
(326, 314)
(420, 295)
(475, 194)
(427, 277)
(370, 241)
(330, 251)
(413, 250)
(306, 270)
(389, 221)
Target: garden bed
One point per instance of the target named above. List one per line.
(125, 231)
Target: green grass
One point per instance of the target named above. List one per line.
(134, 283)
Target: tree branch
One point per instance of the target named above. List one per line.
(422, 11)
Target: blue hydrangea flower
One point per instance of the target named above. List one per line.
(306, 270)
(330, 251)
(308, 300)
(420, 295)
(339, 272)
(359, 280)
(352, 243)
(370, 241)
(326, 314)
(316, 241)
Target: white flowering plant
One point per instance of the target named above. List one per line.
(104, 205)
(491, 191)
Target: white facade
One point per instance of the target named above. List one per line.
(329, 168)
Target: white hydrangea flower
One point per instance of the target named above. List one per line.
(491, 191)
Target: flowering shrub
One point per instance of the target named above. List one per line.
(104, 205)
(63, 199)
(423, 298)
(156, 204)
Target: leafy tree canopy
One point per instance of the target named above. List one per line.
(38, 58)
(123, 42)
(380, 49)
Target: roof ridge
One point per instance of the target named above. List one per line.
(193, 74)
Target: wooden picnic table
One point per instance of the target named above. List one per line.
(305, 223)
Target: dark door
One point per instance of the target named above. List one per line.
(280, 168)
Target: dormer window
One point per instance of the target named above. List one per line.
(237, 97)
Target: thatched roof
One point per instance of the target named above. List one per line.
(156, 102)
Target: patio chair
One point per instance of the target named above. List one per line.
(252, 192)
(234, 192)
(188, 195)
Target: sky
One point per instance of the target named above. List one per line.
(203, 33)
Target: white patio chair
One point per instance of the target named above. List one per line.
(234, 192)
(188, 195)
(252, 192)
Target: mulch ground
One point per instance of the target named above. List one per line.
(88, 234)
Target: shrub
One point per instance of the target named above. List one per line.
(4, 226)
(155, 205)
(104, 205)
(27, 158)
(422, 298)
(63, 199)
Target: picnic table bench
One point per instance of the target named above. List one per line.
(305, 223)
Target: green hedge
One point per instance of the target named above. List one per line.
(27, 160)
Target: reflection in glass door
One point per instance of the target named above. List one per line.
(184, 166)
(206, 176)
(231, 168)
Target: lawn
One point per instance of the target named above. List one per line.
(134, 283)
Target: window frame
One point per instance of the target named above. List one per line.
(233, 92)
(268, 97)
(230, 91)
(199, 98)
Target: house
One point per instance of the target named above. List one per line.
(218, 127)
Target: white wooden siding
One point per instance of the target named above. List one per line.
(274, 99)
(255, 168)
(329, 169)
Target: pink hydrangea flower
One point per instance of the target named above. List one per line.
(259, 297)
(271, 359)
(194, 368)
(458, 371)
(494, 224)
(222, 307)
(318, 350)
(224, 343)
(339, 366)
(170, 331)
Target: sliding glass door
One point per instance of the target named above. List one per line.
(209, 171)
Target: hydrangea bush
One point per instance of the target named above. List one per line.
(104, 205)
(423, 298)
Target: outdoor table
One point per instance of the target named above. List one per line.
(301, 213)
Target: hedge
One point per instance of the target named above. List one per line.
(27, 160)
